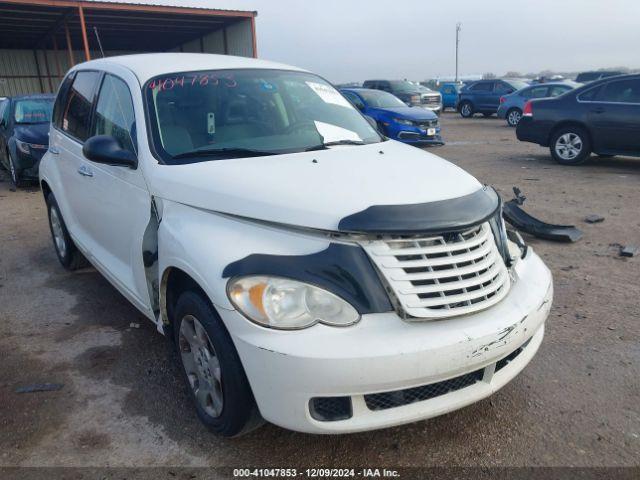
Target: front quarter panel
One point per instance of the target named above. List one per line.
(204, 243)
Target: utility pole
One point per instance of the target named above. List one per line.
(458, 28)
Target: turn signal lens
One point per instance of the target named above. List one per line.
(285, 304)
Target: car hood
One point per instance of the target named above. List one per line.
(37, 133)
(314, 189)
(409, 113)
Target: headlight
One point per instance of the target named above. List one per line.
(285, 304)
(402, 121)
(23, 146)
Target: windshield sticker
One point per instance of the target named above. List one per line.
(328, 94)
(333, 133)
(211, 123)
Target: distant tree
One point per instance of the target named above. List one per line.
(513, 74)
(488, 76)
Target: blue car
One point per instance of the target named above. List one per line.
(449, 92)
(512, 105)
(483, 96)
(412, 125)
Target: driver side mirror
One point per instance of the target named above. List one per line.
(106, 149)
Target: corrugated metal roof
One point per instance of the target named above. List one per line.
(173, 4)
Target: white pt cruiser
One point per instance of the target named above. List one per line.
(310, 271)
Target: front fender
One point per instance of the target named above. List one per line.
(204, 243)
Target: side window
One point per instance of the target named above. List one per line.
(353, 98)
(76, 118)
(621, 91)
(61, 101)
(538, 92)
(482, 87)
(589, 95)
(4, 110)
(384, 86)
(558, 90)
(501, 87)
(114, 113)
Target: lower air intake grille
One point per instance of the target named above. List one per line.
(330, 409)
(383, 401)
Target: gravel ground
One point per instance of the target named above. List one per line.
(122, 403)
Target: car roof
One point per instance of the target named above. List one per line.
(148, 65)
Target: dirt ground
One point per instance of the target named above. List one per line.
(122, 402)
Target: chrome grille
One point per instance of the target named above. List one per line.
(443, 275)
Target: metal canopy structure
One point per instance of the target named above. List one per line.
(59, 33)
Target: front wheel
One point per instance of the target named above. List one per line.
(67, 252)
(466, 110)
(13, 171)
(570, 145)
(212, 369)
(513, 117)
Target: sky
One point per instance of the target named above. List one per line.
(352, 40)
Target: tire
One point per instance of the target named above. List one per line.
(513, 117)
(570, 145)
(466, 109)
(212, 369)
(13, 171)
(67, 252)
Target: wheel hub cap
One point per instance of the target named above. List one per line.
(568, 146)
(58, 234)
(201, 365)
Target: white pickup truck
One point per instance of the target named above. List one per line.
(311, 272)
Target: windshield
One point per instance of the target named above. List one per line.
(33, 110)
(403, 87)
(209, 115)
(380, 99)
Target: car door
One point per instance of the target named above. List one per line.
(71, 126)
(499, 89)
(481, 93)
(615, 116)
(116, 205)
(4, 127)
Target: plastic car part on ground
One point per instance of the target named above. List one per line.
(521, 220)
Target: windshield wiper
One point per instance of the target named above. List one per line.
(325, 145)
(234, 151)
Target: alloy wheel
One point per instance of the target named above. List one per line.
(514, 118)
(466, 110)
(568, 146)
(58, 233)
(201, 365)
(12, 171)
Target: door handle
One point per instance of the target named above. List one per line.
(85, 171)
(54, 150)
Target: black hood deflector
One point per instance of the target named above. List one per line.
(434, 217)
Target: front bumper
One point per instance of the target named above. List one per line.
(383, 353)
(28, 164)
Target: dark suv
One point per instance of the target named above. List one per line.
(406, 91)
(602, 117)
(483, 96)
